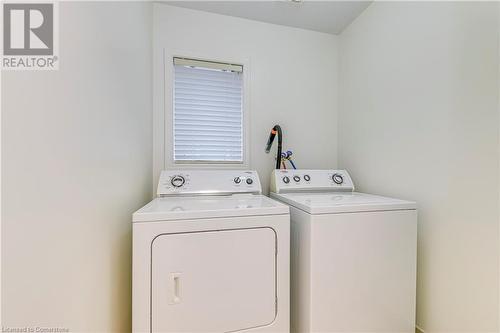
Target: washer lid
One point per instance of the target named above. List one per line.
(184, 208)
(342, 202)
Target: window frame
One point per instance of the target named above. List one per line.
(166, 114)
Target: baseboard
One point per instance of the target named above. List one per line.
(418, 330)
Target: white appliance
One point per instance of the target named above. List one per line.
(353, 255)
(211, 254)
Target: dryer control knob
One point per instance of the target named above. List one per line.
(286, 180)
(237, 180)
(307, 178)
(337, 179)
(249, 181)
(296, 178)
(177, 181)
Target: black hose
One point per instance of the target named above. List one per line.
(276, 130)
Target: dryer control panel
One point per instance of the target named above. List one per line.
(208, 182)
(296, 180)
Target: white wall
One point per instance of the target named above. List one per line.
(293, 80)
(418, 119)
(76, 162)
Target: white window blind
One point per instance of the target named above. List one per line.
(208, 112)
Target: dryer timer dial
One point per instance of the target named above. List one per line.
(177, 181)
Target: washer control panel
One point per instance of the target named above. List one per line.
(292, 180)
(203, 182)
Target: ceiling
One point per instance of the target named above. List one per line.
(325, 16)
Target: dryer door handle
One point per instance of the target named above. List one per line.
(175, 288)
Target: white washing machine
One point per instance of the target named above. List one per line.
(353, 255)
(211, 254)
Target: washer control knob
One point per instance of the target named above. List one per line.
(337, 178)
(249, 181)
(307, 178)
(296, 178)
(177, 181)
(237, 180)
(286, 180)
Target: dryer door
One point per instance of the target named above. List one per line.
(213, 281)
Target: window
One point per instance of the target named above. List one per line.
(207, 112)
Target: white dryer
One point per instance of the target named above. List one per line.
(211, 254)
(353, 255)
